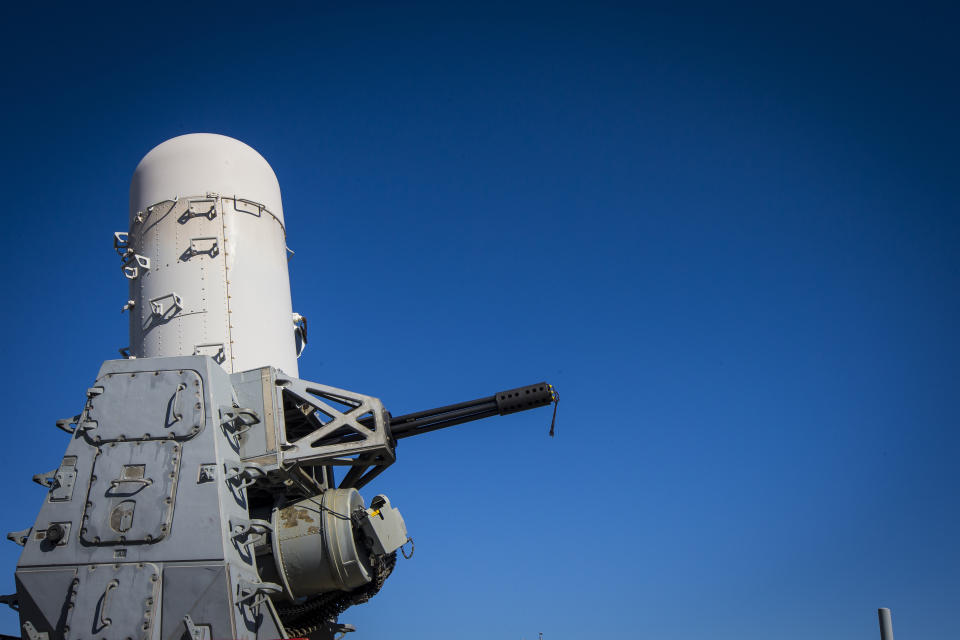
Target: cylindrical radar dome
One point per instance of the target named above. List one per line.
(206, 256)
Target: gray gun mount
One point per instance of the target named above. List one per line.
(192, 504)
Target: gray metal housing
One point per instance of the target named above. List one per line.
(147, 530)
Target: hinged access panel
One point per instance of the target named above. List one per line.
(131, 495)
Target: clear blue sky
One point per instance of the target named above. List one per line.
(728, 234)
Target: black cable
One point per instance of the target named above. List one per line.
(556, 403)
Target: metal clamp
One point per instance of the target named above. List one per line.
(20, 537)
(158, 309)
(342, 630)
(195, 209)
(256, 591)
(243, 528)
(11, 600)
(64, 424)
(231, 416)
(195, 250)
(133, 263)
(249, 533)
(247, 474)
(299, 333)
(214, 349)
(121, 243)
(196, 631)
(32, 633)
(48, 479)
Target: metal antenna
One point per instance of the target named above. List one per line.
(886, 624)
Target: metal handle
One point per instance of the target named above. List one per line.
(101, 619)
(230, 415)
(144, 482)
(175, 405)
(195, 250)
(212, 349)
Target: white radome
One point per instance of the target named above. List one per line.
(206, 256)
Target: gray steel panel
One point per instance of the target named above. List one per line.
(146, 404)
(200, 591)
(249, 387)
(270, 627)
(44, 596)
(131, 496)
(115, 602)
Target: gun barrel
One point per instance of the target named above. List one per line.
(503, 403)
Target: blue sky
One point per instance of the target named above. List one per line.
(727, 234)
